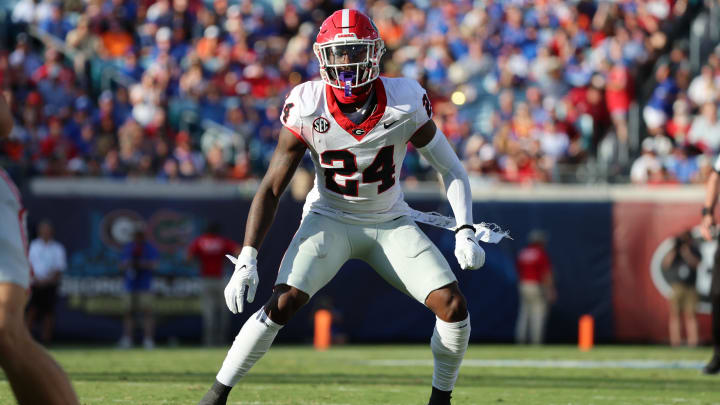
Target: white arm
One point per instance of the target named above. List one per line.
(457, 186)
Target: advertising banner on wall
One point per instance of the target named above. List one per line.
(95, 229)
(643, 234)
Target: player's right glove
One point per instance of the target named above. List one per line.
(468, 252)
(245, 275)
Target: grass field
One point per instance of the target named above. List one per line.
(398, 375)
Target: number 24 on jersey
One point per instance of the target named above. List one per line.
(382, 169)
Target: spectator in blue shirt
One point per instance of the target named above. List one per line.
(212, 107)
(73, 126)
(138, 261)
(513, 32)
(682, 166)
(180, 44)
(56, 25)
(131, 67)
(659, 107)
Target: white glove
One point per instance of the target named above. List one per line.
(245, 275)
(468, 252)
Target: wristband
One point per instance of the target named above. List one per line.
(249, 251)
(706, 211)
(466, 226)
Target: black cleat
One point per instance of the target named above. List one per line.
(217, 395)
(439, 397)
(713, 366)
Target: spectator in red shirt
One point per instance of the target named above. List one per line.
(536, 288)
(210, 249)
(618, 96)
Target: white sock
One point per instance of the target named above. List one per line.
(251, 343)
(449, 343)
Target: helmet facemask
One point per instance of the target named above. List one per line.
(349, 63)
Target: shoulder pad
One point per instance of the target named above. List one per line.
(306, 97)
(403, 93)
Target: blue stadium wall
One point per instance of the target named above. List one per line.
(368, 309)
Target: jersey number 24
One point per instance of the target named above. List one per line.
(381, 169)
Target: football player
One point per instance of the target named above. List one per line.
(356, 126)
(34, 376)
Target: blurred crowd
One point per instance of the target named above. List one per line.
(526, 91)
(682, 120)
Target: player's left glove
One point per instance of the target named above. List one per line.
(245, 275)
(468, 252)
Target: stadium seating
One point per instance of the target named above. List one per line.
(526, 93)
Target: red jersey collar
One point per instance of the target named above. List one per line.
(358, 131)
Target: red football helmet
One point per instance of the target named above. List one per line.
(349, 49)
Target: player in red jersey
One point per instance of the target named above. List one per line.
(536, 288)
(34, 376)
(210, 249)
(356, 126)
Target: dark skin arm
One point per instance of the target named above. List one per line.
(689, 256)
(424, 135)
(669, 258)
(285, 160)
(6, 120)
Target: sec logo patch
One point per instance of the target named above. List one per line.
(321, 125)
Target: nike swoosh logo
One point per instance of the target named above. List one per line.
(460, 327)
(386, 125)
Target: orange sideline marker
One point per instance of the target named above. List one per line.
(323, 336)
(586, 332)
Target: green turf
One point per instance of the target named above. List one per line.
(299, 375)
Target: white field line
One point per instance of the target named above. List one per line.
(628, 364)
(278, 402)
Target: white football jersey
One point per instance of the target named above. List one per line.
(357, 167)
(14, 266)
